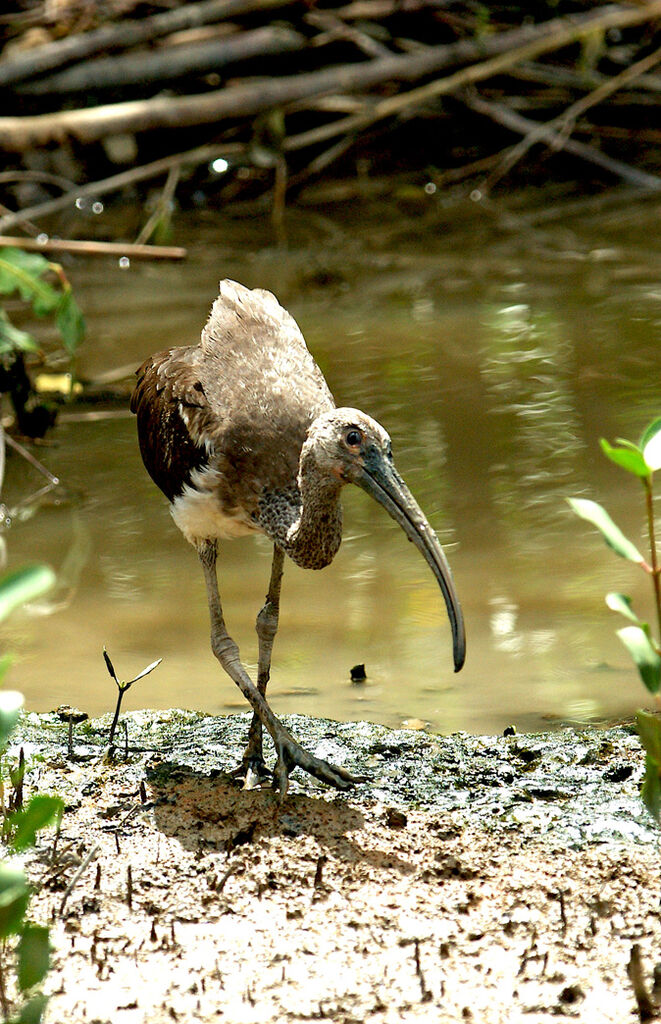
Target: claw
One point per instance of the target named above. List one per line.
(292, 755)
(252, 772)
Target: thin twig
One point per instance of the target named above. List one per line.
(199, 155)
(29, 457)
(163, 206)
(94, 248)
(524, 126)
(84, 864)
(334, 28)
(565, 123)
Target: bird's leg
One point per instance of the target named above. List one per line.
(289, 752)
(266, 626)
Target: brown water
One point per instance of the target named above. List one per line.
(495, 361)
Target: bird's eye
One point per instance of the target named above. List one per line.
(353, 438)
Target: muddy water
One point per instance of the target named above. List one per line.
(496, 360)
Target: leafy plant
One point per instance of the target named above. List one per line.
(45, 286)
(30, 275)
(27, 944)
(642, 460)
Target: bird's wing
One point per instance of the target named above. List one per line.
(264, 390)
(173, 415)
(251, 341)
(240, 403)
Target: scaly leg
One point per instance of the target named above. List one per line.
(266, 626)
(289, 753)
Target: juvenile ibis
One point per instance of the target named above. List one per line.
(242, 435)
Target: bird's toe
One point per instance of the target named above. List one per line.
(292, 755)
(252, 773)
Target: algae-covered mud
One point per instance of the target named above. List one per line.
(494, 878)
(572, 786)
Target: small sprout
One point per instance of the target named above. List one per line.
(122, 687)
(73, 716)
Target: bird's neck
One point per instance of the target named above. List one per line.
(314, 537)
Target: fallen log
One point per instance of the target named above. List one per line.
(249, 99)
(168, 64)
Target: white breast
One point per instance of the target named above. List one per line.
(199, 516)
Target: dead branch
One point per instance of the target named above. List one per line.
(162, 212)
(82, 247)
(170, 63)
(199, 155)
(555, 75)
(565, 123)
(247, 99)
(40, 59)
(559, 32)
(506, 117)
(334, 28)
(373, 9)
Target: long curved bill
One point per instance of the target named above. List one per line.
(382, 481)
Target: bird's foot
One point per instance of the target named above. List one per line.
(252, 773)
(291, 755)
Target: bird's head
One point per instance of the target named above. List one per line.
(353, 448)
(341, 440)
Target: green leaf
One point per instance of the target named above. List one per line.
(629, 458)
(23, 585)
(70, 322)
(622, 441)
(645, 657)
(649, 730)
(14, 899)
(41, 811)
(650, 791)
(22, 272)
(622, 603)
(651, 445)
(11, 338)
(35, 264)
(598, 516)
(650, 430)
(33, 956)
(11, 703)
(32, 1012)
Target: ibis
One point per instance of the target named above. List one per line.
(242, 435)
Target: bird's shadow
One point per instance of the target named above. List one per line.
(210, 814)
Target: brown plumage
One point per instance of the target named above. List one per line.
(242, 435)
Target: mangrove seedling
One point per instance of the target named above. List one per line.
(122, 687)
(643, 643)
